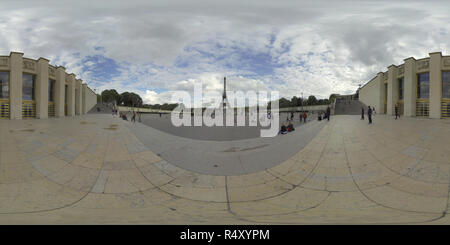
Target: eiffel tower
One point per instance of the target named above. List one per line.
(225, 103)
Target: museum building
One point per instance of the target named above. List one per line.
(420, 88)
(34, 89)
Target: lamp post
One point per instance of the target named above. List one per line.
(302, 101)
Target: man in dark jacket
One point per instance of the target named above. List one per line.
(362, 113)
(369, 114)
(328, 113)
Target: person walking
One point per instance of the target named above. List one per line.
(304, 117)
(369, 115)
(328, 113)
(396, 112)
(362, 113)
(133, 119)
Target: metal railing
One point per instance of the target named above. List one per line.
(51, 109)
(445, 108)
(28, 109)
(422, 108)
(4, 109)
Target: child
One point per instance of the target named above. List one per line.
(283, 129)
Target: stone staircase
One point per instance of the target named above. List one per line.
(101, 108)
(349, 107)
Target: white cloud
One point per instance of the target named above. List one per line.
(318, 48)
(151, 97)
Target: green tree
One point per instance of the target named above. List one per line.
(130, 99)
(110, 95)
(300, 102)
(332, 98)
(283, 103)
(294, 101)
(168, 107)
(312, 100)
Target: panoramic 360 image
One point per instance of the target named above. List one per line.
(224, 113)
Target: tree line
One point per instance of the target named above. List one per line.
(311, 100)
(134, 100)
(130, 99)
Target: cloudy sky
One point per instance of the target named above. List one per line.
(156, 47)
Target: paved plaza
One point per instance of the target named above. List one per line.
(216, 133)
(224, 157)
(99, 169)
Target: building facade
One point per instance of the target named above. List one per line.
(34, 89)
(420, 88)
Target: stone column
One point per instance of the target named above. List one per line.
(71, 95)
(392, 96)
(83, 98)
(42, 88)
(15, 85)
(78, 97)
(435, 84)
(60, 86)
(379, 108)
(410, 94)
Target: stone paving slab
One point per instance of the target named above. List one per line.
(96, 169)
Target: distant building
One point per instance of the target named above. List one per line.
(420, 87)
(34, 89)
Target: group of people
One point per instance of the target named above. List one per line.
(286, 129)
(370, 111)
(290, 126)
(302, 117)
(133, 118)
(326, 115)
(123, 116)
